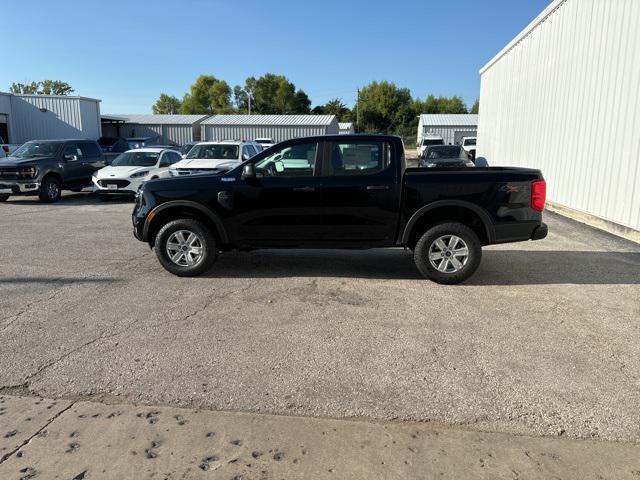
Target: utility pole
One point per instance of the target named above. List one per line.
(248, 92)
(358, 110)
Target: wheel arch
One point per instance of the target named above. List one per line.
(468, 213)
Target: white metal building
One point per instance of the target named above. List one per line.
(346, 128)
(277, 127)
(30, 117)
(172, 129)
(564, 97)
(451, 127)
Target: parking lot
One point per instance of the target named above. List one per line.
(543, 340)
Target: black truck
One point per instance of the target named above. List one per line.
(46, 167)
(346, 191)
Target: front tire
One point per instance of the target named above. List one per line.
(186, 247)
(448, 253)
(50, 190)
(4, 198)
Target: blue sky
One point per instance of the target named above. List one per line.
(127, 52)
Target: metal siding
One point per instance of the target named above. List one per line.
(565, 98)
(90, 119)
(62, 118)
(448, 133)
(278, 133)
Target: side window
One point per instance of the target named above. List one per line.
(174, 157)
(71, 150)
(90, 149)
(292, 161)
(252, 150)
(361, 158)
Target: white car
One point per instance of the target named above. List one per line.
(132, 168)
(468, 144)
(208, 157)
(426, 142)
(265, 142)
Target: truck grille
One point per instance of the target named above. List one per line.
(120, 183)
(9, 173)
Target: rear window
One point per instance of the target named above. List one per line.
(444, 151)
(432, 141)
(215, 152)
(361, 158)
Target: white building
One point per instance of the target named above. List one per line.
(451, 127)
(172, 129)
(276, 127)
(44, 117)
(564, 97)
(346, 128)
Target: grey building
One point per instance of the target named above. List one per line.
(172, 129)
(276, 127)
(29, 117)
(346, 128)
(451, 127)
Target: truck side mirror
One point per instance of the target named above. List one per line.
(249, 172)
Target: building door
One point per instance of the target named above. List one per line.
(4, 128)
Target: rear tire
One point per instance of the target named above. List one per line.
(50, 190)
(4, 198)
(448, 253)
(186, 247)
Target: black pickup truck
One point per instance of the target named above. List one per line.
(347, 191)
(46, 167)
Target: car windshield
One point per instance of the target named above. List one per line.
(133, 144)
(186, 148)
(444, 151)
(136, 159)
(469, 141)
(431, 141)
(214, 152)
(37, 149)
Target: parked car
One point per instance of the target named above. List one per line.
(142, 142)
(113, 144)
(186, 148)
(46, 167)
(355, 192)
(438, 156)
(265, 142)
(132, 168)
(468, 144)
(427, 141)
(207, 157)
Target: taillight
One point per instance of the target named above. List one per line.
(538, 194)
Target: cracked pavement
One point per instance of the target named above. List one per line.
(544, 340)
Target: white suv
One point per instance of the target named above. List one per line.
(208, 157)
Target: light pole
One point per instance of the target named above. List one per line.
(248, 92)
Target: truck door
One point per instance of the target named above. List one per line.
(73, 166)
(360, 192)
(92, 159)
(283, 206)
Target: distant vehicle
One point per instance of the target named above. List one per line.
(468, 144)
(437, 156)
(46, 167)
(354, 191)
(208, 157)
(186, 148)
(142, 142)
(427, 141)
(7, 149)
(265, 142)
(131, 169)
(113, 144)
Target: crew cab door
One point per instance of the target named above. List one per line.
(92, 159)
(283, 206)
(360, 192)
(73, 166)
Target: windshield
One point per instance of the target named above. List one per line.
(432, 141)
(186, 148)
(136, 159)
(444, 151)
(37, 149)
(469, 141)
(133, 144)
(215, 152)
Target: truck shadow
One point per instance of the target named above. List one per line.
(70, 199)
(56, 280)
(499, 267)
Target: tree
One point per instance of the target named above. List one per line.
(303, 103)
(44, 87)
(271, 94)
(166, 104)
(207, 95)
(335, 107)
(441, 104)
(386, 108)
(476, 107)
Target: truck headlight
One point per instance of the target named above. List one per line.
(140, 174)
(28, 172)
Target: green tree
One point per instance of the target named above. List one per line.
(335, 107)
(476, 107)
(271, 94)
(441, 104)
(44, 87)
(385, 108)
(166, 104)
(207, 95)
(303, 103)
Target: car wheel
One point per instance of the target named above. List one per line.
(186, 247)
(4, 198)
(50, 190)
(448, 253)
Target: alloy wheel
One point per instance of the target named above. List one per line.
(185, 248)
(448, 254)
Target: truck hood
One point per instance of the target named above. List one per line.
(205, 163)
(187, 183)
(15, 161)
(120, 172)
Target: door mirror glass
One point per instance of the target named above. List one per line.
(249, 172)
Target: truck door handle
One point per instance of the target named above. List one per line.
(304, 189)
(377, 187)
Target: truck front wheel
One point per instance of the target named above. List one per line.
(448, 253)
(186, 247)
(50, 190)
(4, 198)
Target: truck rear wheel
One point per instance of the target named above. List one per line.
(448, 253)
(186, 247)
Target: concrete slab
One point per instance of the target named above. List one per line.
(98, 441)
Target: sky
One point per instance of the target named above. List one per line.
(128, 52)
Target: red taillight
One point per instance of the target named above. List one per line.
(538, 194)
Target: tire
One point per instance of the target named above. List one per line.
(4, 198)
(178, 233)
(104, 198)
(448, 267)
(50, 190)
